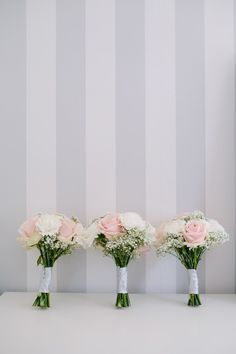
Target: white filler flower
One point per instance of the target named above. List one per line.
(132, 221)
(48, 224)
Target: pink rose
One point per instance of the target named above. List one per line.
(195, 232)
(27, 229)
(68, 229)
(29, 235)
(110, 225)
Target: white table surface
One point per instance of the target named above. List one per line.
(89, 323)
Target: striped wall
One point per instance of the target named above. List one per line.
(112, 105)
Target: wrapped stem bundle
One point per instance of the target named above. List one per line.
(54, 235)
(123, 237)
(122, 299)
(188, 237)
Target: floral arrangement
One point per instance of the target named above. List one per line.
(187, 237)
(53, 235)
(123, 237)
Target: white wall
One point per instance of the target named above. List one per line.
(121, 105)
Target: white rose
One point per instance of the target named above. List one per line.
(85, 240)
(33, 240)
(174, 227)
(48, 224)
(79, 229)
(132, 220)
(93, 229)
(87, 236)
(29, 242)
(214, 226)
(150, 233)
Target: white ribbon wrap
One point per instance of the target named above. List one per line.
(45, 280)
(122, 277)
(193, 281)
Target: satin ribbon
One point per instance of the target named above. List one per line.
(193, 281)
(45, 280)
(122, 277)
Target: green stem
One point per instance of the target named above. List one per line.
(122, 300)
(194, 300)
(42, 300)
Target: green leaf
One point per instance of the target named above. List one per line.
(39, 261)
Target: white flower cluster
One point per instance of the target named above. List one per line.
(127, 233)
(132, 221)
(55, 231)
(53, 243)
(191, 230)
(216, 238)
(128, 243)
(49, 224)
(84, 239)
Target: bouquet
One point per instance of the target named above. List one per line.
(187, 237)
(123, 237)
(53, 235)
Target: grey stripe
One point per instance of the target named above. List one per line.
(130, 118)
(71, 131)
(220, 139)
(12, 142)
(235, 124)
(190, 117)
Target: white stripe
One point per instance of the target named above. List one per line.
(41, 118)
(160, 133)
(100, 130)
(220, 138)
